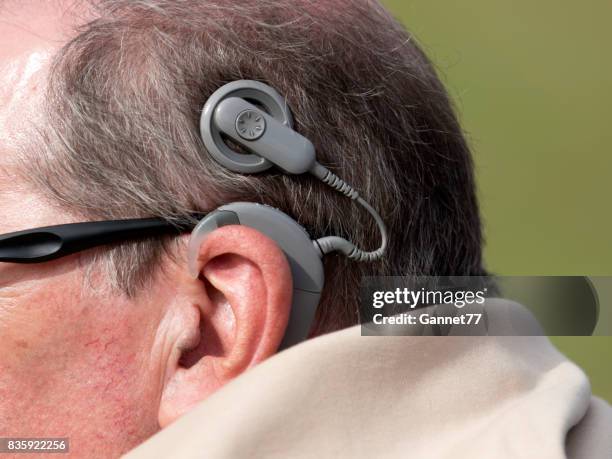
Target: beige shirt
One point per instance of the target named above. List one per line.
(344, 395)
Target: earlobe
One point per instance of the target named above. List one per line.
(244, 308)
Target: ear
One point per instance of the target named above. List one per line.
(242, 298)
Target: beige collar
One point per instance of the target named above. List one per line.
(344, 395)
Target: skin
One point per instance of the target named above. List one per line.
(83, 362)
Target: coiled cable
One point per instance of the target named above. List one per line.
(336, 243)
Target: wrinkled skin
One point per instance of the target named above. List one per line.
(83, 362)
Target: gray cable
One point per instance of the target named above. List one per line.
(338, 244)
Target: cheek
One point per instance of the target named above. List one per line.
(32, 316)
(69, 356)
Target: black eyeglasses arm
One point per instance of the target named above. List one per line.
(52, 242)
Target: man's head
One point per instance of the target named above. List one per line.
(99, 114)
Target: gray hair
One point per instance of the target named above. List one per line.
(121, 133)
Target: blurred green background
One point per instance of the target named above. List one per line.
(532, 81)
